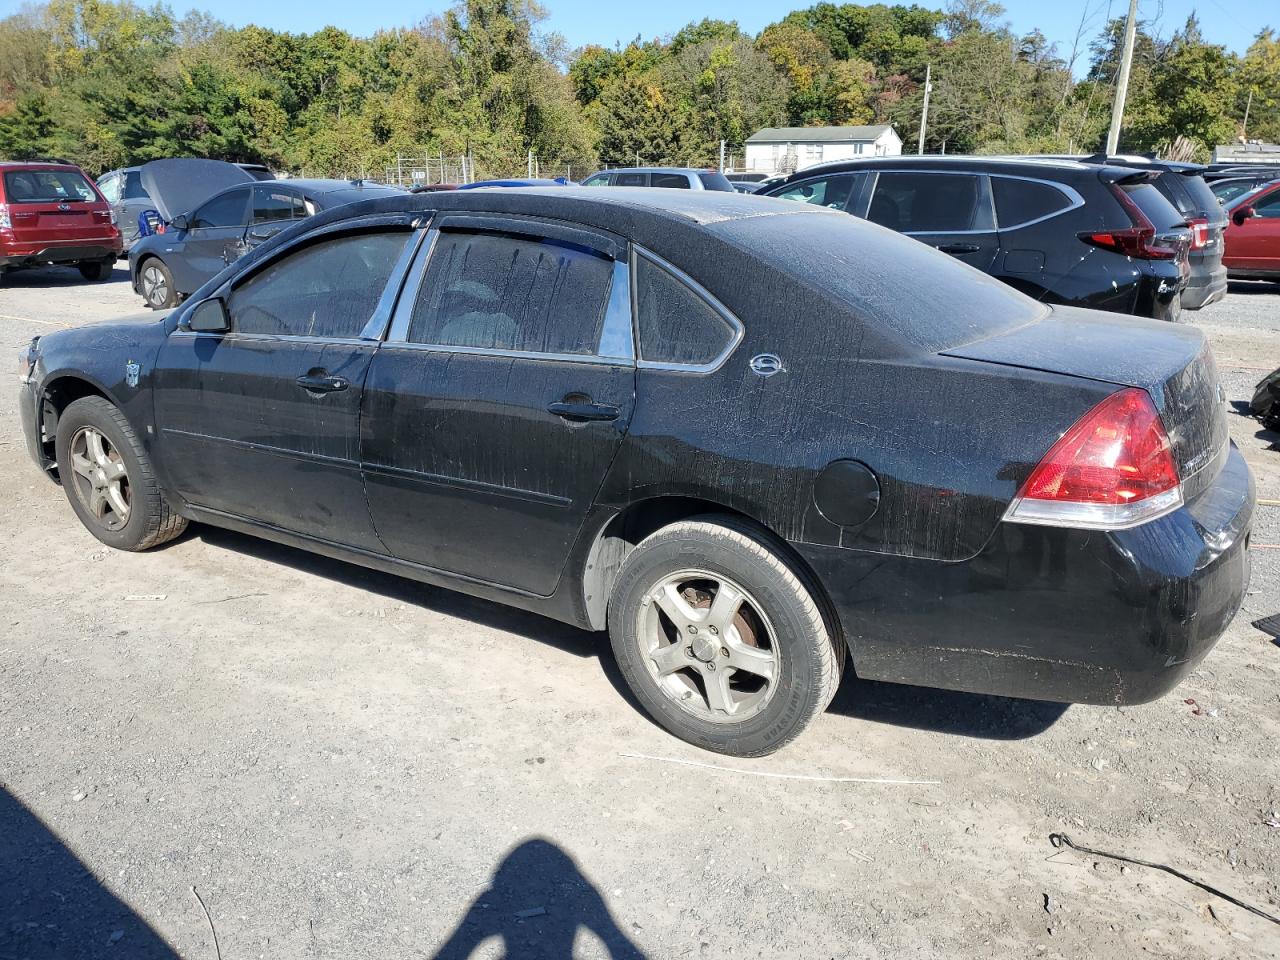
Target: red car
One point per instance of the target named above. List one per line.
(53, 213)
(1253, 235)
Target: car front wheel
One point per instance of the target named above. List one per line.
(155, 283)
(720, 639)
(108, 478)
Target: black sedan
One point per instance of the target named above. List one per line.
(199, 241)
(751, 439)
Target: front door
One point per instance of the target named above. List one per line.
(262, 422)
(951, 212)
(214, 233)
(1254, 243)
(493, 411)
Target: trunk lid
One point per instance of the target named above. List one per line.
(53, 205)
(1172, 363)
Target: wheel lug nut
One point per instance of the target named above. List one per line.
(688, 651)
(724, 651)
(711, 666)
(692, 628)
(714, 630)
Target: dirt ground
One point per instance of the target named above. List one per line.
(348, 765)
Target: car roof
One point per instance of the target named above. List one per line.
(693, 170)
(1009, 164)
(38, 165)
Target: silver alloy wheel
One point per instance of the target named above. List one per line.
(709, 646)
(155, 289)
(101, 479)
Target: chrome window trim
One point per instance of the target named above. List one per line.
(267, 337)
(616, 330)
(739, 332)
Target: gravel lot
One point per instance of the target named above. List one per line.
(348, 765)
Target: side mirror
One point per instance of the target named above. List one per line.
(180, 222)
(209, 317)
(1243, 214)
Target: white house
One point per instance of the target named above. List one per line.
(786, 149)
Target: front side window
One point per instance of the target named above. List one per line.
(930, 203)
(631, 180)
(1268, 206)
(328, 289)
(676, 324)
(271, 204)
(46, 186)
(224, 210)
(498, 292)
(1022, 201)
(600, 180)
(828, 192)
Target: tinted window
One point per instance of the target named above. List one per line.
(328, 289)
(275, 204)
(676, 324)
(675, 181)
(1171, 187)
(1228, 190)
(224, 210)
(46, 186)
(133, 187)
(631, 180)
(1154, 205)
(512, 293)
(1021, 201)
(1268, 206)
(930, 203)
(831, 192)
(1203, 202)
(715, 181)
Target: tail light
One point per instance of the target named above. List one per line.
(1138, 241)
(1113, 469)
(5, 222)
(1199, 232)
(104, 216)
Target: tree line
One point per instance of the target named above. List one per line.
(107, 84)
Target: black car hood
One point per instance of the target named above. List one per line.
(181, 184)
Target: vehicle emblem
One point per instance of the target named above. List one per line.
(766, 364)
(64, 207)
(132, 369)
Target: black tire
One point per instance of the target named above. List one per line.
(97, 270)
(808, 658)
(150, 520)
(155, 283)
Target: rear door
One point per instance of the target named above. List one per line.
(53, 205)
(672, 181)
(949, 211)
(215, 236)
(630, 179)
(496, 405)
(274, 208)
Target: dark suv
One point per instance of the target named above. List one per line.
(1061, 231)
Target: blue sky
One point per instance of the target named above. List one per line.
(1229, 22)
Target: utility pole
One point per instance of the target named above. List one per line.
(722, 156)
(1122, 81)
(924, 113)
(1244, 128)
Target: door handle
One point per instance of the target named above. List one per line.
(262, 235)
(954, 248)
(584, 410)
(322, 383)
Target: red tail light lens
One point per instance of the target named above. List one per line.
(1199, 232)
(1138, 241)
(1113, 469)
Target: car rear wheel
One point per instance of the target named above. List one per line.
(155, 283)
(97, 269)
(108, 478)
(720, 638)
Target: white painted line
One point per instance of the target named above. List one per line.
(46, 323)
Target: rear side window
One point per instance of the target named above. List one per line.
(631, 180)
(226, 210)
(46, 186)
(715, 181)
(274, 204)
(676, 324)
(930, 203)
(829, 192)
(674, 181)
(328, 290)
(1023, 201)
(500, 292)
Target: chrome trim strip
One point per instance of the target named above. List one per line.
(617, 335)
(739, 332)
(399, 328)
(513, 354)
(267, 337)
(382, 312)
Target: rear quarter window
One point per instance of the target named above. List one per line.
(677, 325)
(715, 181)
(1020, 202)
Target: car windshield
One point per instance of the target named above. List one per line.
(1245, 197)
(46, 186)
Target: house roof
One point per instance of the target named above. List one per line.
(818, 134)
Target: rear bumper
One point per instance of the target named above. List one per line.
(1053, 614)
(21, 254)
(1208, 284)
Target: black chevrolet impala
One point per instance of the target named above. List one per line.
(752, 440)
